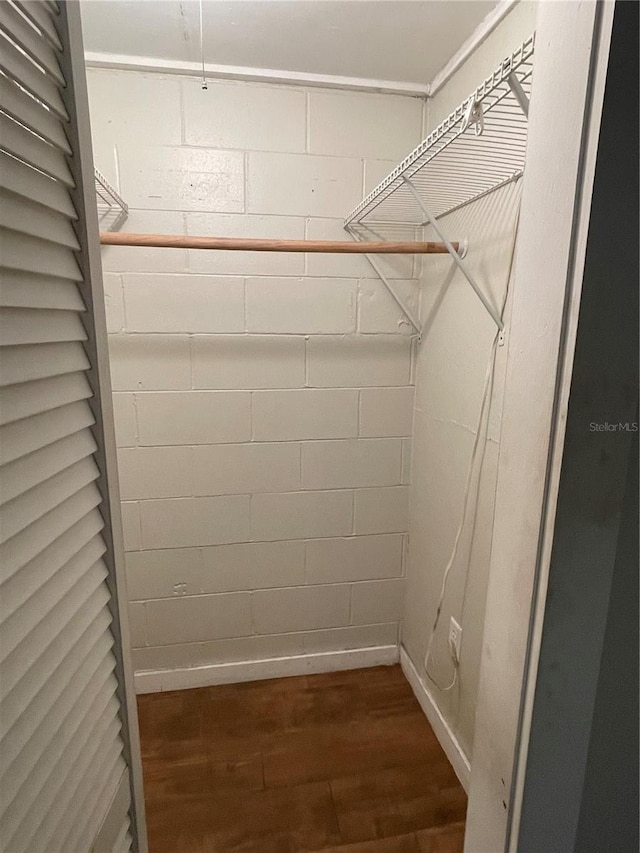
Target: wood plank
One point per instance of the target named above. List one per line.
(399, 844)
(243, 719)
(200, 773)
(365, 746)
(397, 801)
(287, 820)
(169, 729)
(442, 839)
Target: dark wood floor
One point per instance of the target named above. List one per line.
(335, 762)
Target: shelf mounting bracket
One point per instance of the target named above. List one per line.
(408, 313)
(518, 92)
(431, 220)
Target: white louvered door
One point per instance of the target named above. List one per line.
(69, 762)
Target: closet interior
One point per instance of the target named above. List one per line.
(307, 288)
(307, 356)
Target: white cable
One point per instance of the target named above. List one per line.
(204, 76)
(487, 393)
(465, 506)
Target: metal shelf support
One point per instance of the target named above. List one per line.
(518, 92)
(455, 256)
(408, 313)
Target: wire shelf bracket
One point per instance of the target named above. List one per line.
(479, 148)
(408, 313)
(458, 260)
(519, 93)
(112, 209)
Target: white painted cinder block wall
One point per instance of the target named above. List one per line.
(450, 370)
(263, 401)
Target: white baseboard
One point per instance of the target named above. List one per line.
(448, 740)
(156, 681)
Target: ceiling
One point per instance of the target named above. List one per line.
(402, 40)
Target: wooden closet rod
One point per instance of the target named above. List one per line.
(164, 241)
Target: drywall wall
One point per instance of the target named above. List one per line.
(263, 401)
(450, 370)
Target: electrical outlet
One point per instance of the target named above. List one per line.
(455, 639)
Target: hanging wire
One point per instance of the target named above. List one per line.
(204, 76)
(483, 418)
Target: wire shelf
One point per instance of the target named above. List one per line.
(479, 147)
(112, 210)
